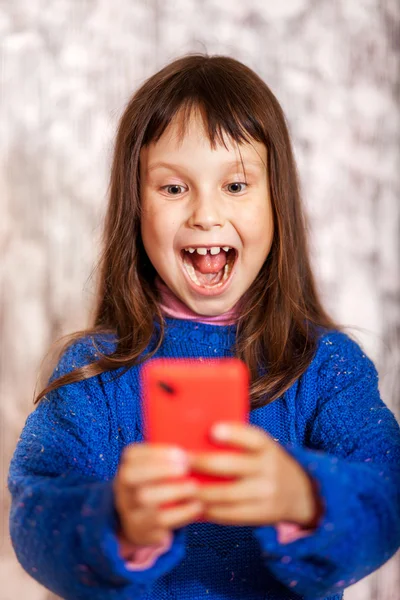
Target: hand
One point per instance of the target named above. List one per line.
(270, 485)
(143, 483)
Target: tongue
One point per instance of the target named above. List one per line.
(209, 263)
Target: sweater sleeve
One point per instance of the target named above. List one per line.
(353, 457)
(63, 522)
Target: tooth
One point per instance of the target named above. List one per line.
(191, 250)
(226, 248)
(225, 275)
(202, 251)
(215, 250)
(191, 272)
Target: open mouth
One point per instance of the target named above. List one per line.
(209, 267)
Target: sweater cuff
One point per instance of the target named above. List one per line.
(322, 468)
(101, 546)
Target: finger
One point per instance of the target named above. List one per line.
(244, 490)
(130, 477)
(146, 525)
(242, 435)
(154, 495)
(141, 532)
(139, 452)
(179, 516)
(245, 514)
(225, 463)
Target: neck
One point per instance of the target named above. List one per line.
(171, 306)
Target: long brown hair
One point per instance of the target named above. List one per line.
(277, 334)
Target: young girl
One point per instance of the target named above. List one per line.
(205, 255)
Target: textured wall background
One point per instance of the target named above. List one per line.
(67, 69)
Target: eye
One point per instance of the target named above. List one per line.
(172, 186)
(236, 184)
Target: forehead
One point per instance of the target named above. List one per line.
(185, 137)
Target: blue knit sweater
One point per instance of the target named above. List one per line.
(332, 420)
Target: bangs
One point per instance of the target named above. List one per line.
(214, 96)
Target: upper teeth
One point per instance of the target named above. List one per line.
(203, 251)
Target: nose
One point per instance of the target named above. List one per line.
(206, 212)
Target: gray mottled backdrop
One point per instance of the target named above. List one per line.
(67, 69)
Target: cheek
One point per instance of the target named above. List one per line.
(258, 229)
(150, 230)
(256, 222)
(158, 229)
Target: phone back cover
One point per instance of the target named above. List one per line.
(183, 398)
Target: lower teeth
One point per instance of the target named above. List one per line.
(192, 274)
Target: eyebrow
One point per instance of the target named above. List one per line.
(231, 164)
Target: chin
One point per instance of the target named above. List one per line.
(210, 308)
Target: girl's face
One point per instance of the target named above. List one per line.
(194, 197)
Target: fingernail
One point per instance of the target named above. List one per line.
(220, 431)
(178, 455)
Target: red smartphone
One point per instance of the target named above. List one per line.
(183, 398)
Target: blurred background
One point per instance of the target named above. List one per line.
(67, 70)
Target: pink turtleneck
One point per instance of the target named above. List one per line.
(175, 308)
(139, 558)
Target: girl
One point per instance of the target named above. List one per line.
(205, 255)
